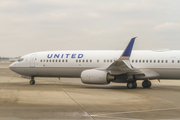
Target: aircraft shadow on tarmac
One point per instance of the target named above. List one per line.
(49, 83)
(50, 86)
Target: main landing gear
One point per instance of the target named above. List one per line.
(132, 85)
(32, 81)
(146, 84)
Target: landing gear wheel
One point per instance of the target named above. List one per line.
(32, 82)
(132, 85)
(146, 84)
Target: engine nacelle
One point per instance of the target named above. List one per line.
(96, 77)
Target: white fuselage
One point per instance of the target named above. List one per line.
(72, 63)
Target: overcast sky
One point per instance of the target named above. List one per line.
(28, 26)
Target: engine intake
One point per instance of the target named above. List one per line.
(96, 77)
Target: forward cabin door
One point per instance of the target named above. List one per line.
(32, 60)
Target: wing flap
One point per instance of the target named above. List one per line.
(122, 67)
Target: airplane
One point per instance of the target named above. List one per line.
(102, 67)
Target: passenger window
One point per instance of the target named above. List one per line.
(83, 61)
(162, 61)
(111, 61)
(172, 61)
(158, 61)
(79, 60)
(46, 60)
(136, 61)
(76, 60)
(49, 60)
(90, 60)
(132, 61)
(166, 61)
(62, 60)
(52, 60)
(139, 61)
(143, 61)
(86, 60)
(154, 61)
(97, 60)
(107, 60)
(41, 61)
(66, 60)
(59, 60)
(56, 60)
(146, 61)
(150, 61)
(104, 60)
(178, 61)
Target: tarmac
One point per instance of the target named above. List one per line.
(69, 98)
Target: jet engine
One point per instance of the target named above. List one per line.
(96, 77)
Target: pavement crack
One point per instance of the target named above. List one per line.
(139, 111)
(7, 82)
(74, 100)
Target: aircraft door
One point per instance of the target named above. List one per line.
(32, 60)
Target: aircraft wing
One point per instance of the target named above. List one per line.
(123, 65)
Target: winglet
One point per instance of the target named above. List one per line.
(128, 50)
(123, 62)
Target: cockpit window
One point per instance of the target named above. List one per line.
(20, 59)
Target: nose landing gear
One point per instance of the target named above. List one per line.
(32, 81)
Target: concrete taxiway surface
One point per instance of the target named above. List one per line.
(69, 98)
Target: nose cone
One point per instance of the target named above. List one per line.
(12, 66)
